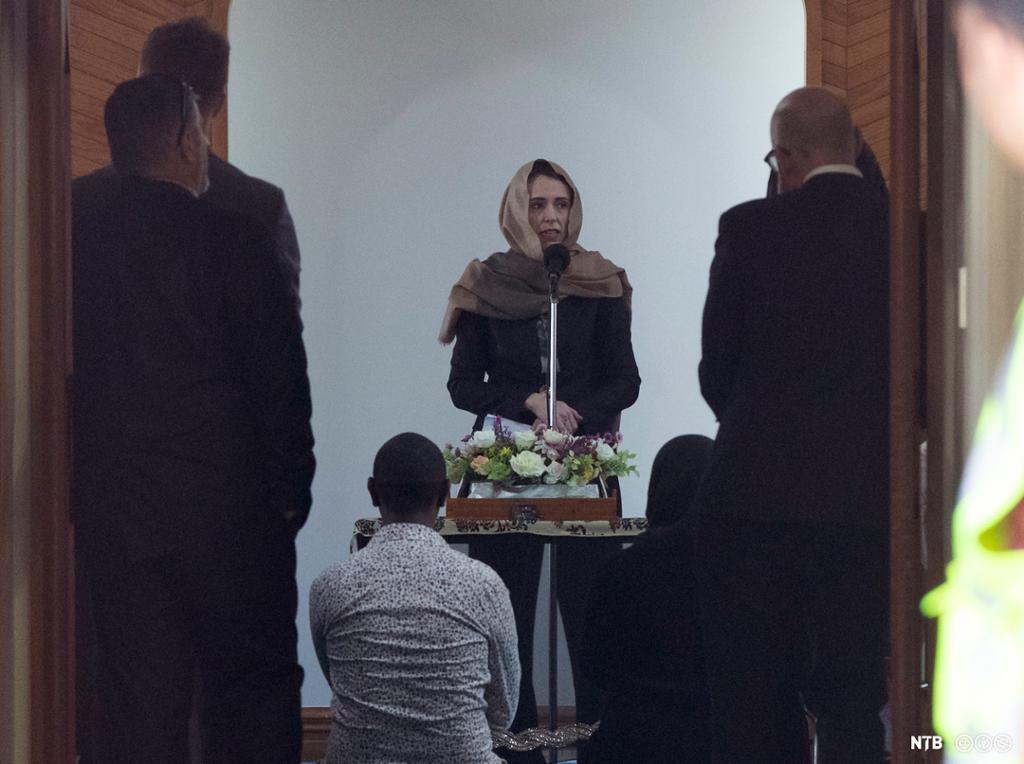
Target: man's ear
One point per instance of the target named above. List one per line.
(372, 488)
(442, 497)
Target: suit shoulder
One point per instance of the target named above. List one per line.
(228, 181)
(229, 225)
(93, 193)
(746, 215)
(97, 179)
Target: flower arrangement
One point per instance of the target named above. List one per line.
(525, 457)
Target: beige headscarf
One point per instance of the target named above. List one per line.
(514, 284)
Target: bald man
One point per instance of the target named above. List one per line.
(793, 533)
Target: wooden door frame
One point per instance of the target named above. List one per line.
(906, 423)
(38, 724)
(925, 385)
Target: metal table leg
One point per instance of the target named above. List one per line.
(553, 644)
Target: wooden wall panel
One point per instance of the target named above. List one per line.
(834, 10)
(859, 10)
(126, 15)
(834, 31)
(834, 76)
(165, 9)
(870, 89)
(812, 10)
(106, 38)
(853, 39)
(871, 111)
(865, 49)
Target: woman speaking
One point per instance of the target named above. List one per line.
(498, 316)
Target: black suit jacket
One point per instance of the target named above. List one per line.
(234, 191)
(496, 363)
(795, 357)
(231, 190)
(191, 403)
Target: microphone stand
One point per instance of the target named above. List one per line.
(552, 345)
(553, 558)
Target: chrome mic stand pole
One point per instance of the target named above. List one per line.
(553, 558)
(552, 346)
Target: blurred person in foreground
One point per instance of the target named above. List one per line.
(979, 670)
(644, 646)
(417, 641)
(191, 445)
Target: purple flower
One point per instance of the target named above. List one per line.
(501, 433)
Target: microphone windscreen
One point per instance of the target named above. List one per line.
(556, 258)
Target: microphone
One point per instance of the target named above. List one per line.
(556, 259)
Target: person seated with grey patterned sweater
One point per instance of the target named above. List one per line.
(417, 641)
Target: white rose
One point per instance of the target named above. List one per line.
(483, 438)
(524, 439)
(527, 464)
(604, 452)
(554, 472)
(554, 437)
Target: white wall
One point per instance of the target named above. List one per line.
(394, 127)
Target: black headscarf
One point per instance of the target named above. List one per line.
(675, 475)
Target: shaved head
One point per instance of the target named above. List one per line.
(811, 127)
(814, 120)
(408, 476)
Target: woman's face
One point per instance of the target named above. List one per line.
(550, 200)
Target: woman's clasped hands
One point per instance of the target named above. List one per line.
(567, 419)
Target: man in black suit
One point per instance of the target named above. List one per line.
(192, 446)
(190, 50)
(792, 541)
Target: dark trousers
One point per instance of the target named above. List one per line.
(794, 615)
(517, 560)
(206, 610)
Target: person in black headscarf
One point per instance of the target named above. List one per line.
(644, 642)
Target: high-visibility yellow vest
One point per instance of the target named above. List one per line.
(979, 670)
